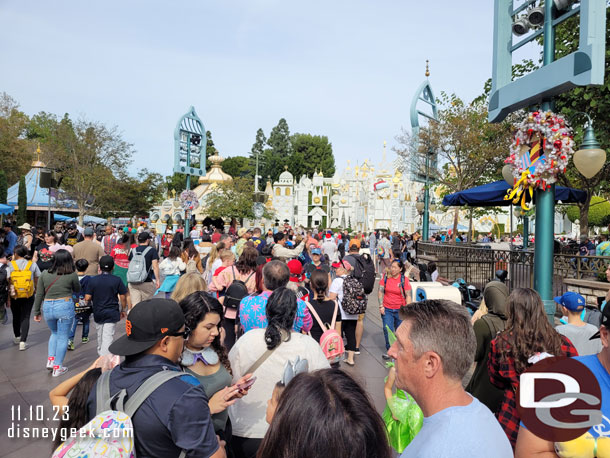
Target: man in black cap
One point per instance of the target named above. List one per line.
(175, 417)
(71, 237)
(142, 291)
(104, 291)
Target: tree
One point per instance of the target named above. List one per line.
(238, 166)
(89, 156)
(210, 150)
(258, 152)
(137, 195)
(3, 188)
(598, 215)
(280, 149)
(311, 153)
(176, 182)
(22, 202)
(232, 200)
(15, 149)
(467, 145)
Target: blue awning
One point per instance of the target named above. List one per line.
(58, 217)
(492, 195)
(6, 209)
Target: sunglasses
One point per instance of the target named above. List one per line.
(184, 334)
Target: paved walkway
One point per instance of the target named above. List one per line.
(25, 383)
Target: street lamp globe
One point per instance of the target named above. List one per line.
(420, 207)
(517, 213)
(507, 174)
(590, 158)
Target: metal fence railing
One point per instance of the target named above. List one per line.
(477, 265)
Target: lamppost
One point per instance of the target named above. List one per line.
(189, 152)
(583, 67)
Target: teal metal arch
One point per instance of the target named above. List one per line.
(190, 144)
(423, 94)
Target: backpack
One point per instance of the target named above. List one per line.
(110, 432)
(166, 267)
(137, 272)
(364, 270)
(22, 281)
(236, 291)
(191, 266)
(402, 284)
(354, 299)
(331, 341)
(593, 316)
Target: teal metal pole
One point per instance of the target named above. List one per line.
(187, 216)
(545, 200)
(426, 218)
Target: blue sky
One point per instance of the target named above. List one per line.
(344, 69)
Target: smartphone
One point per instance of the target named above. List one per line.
(246, 385)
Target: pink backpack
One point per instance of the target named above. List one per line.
(330, 341)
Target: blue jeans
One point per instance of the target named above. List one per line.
(59, 315)
(391, 319)
(84, 318)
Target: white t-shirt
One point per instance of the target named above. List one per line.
(337, 287)
(248, 413)
(329, 248)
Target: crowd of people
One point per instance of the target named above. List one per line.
(235, 344)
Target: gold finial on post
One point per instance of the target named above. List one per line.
(427, 68)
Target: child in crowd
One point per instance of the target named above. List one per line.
(228, 259)
(82, 308)
(572, 305)
(105, 291)
(290, 370)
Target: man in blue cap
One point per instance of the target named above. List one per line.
(572, 305)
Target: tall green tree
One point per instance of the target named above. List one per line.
(258, 152)
(3, 188)
(210, 150)
(22, 202)
(280, 149)
(311, 153)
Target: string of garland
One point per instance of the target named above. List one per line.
(542, 147)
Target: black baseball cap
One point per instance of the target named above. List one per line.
(143, 236)
(106, 263)
(147, 323)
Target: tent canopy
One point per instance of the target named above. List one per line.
(58, 217)
(6, 209)
(492, 195)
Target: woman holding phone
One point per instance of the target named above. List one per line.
(205, 358)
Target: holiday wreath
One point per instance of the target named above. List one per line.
(541, 149)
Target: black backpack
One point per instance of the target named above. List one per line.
(364, 270)
(236, 291)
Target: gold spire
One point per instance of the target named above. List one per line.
(37, 162)
(427, 68)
